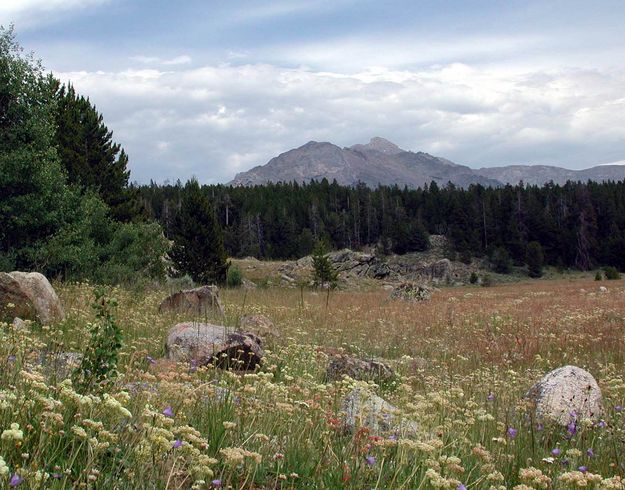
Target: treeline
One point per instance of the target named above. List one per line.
(66, 208)
(577, 225)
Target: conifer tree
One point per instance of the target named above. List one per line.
(88, 153)
(535, 259)
(323, 272)
(198, 239)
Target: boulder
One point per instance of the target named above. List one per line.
(247, 284)
(410, 291)
(199, 302)
(32, 297)
(441, 271)
(564, 394)
(364, 409)
(603, 289)
(259, 325)
(59, 365)
(343, 365)
(203, 343)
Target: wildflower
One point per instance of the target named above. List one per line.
(216, 483)
(11, 358)
(229, 425)
(490, 398)
(4, 469)
(15, 480)
(168, 412)
(601, 424)
(540, 427)
(370, 460)
(150, 360)
(589, 452)
(177, 443)
(512, 432)
(461, 487)
(583, 469)
(555, 451)
(572, 428)
(14, 433)
(619, 408)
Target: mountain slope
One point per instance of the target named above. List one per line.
(378, 162)
(383, 162)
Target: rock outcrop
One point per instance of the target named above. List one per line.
(259, 325)
(409, 291)
(344, 365)
(198, 302)
(203, 343)
(362, 408)
(566, 394)
(32, 297)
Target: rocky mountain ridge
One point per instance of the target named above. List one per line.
(383, 162)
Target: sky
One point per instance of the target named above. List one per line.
(209, 88)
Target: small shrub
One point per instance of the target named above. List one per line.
(598, 276)
(486, 281)
(502, 263)
(99, 364)
(474, 278)
(611, 273)
(234, 278)
(323, 272)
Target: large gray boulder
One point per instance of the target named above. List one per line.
(260, 325)
(362, 408)
(361, 369)
(32, 297)
(203, 343)
(199, 302)
(566, 394)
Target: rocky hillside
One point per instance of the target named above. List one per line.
(382, 162)
(378, 162)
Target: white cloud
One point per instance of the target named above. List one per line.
(221, 119)
(155, 60)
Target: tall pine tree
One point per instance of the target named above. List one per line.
(198, 239)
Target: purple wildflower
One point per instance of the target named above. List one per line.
(619, 408)
(370, 460)
(177, 443)
(15, 480)
(168, 412)
(491, 396)
(216, 483)
(540, 427)
(589, 452)
(555, 451)
(565, 462)
(572, 428)
(393, 437)
(583, 469)
(150, 359)
(512, 432)
(56, 476)
(601, 424)
(461, 487)
(11, 358)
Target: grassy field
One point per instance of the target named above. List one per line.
(463, 362)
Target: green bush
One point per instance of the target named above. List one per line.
(486, 281)
(234, 278)
(502, 263)
(474, 278)
(611, 273)
(598, 276)
(323, 272)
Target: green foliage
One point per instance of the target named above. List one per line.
(535, 259)
(99, 364)
(234, 277)
(502, 263)
(598, 276)
(324, 274)
(473, 278)
(198, 240)
(611, 273)
(88, 154)
(486, 281)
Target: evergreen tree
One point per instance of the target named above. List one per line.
(198, 240)
(535, 259)
(323, 272)
(502, 263)
(88, 153)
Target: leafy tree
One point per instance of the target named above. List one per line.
(198, 240)
(323, 272)
(34, 198)
(535, 259)
(88, 153)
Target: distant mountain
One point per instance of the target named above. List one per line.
(378, 162)
(541, 174)
(383, 162)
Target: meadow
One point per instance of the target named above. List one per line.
(463, 362)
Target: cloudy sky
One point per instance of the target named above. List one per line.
(211, 88)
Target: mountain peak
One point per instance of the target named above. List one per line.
(381, 145)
